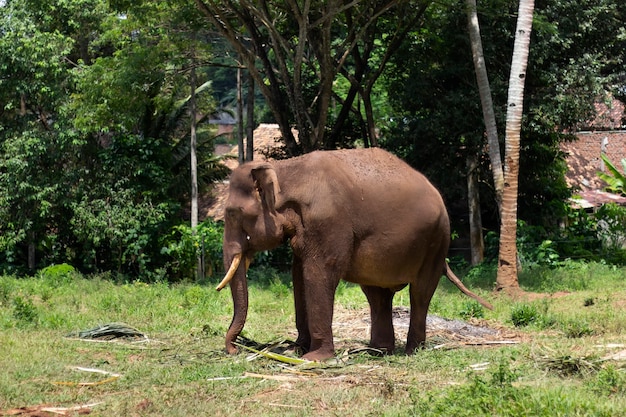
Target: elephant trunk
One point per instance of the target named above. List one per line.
(239, 292)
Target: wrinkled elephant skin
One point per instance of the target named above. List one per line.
(361, 215)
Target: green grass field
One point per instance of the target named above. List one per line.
(569, 330)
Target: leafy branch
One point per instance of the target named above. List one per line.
(615, 179)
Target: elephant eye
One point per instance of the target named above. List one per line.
(233, 213)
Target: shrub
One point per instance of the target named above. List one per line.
(184, 246)
(119, 231)
(57, 275)
(472, 309)
(609, 381)
(523, 314)
(611, 221)
(24, 311)
(575, 329)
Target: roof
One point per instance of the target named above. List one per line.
(583, 157)
(609, 115)
(606, 134)
(595, 198)
(222, 117)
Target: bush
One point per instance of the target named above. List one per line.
(119, 231)
(523, 314)
(24, 311)
(472, 309)
(611, 231)
(609, 381)
(577, 328)
(57, 275)
(184, 246)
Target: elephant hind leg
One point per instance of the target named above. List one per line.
(381, 301)
(421, 293)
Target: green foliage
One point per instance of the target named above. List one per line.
(183, 246)
(59, 274)
(611, 221)
(24, 311)
(472, 309)
(576, 54)
(119, 229)
(577, 328)
(609, 381)
(523, 314)
(95, 95)
(615, 179)
(583, 236)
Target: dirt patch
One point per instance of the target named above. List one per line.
(352, 327)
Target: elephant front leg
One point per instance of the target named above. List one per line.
(381, 301)
(302, 325)
(320, 329)
(319, 293)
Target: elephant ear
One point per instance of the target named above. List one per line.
(267, 185)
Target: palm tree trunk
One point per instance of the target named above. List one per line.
(493, 145)
(507, 260)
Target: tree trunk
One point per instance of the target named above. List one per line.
(240, 144)
(477, 246)
(369, 118)
(484, 90)
(507, 260)
(194, 164)
(250, 119)
(32, 260)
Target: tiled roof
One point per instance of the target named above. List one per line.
(595, 198)
(609, 116)
(607, 135)
(583, 157)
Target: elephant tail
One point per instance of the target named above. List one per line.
(456, 281)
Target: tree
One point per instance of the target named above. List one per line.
(97, 98)
(493, 143)
(433, 90)
(33, 79)
(296, 50)
(507, 258)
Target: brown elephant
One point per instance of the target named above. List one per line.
(361, 215)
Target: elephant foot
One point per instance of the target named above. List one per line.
(231, 349)
(384, 341)
(304, 344)
(385, 349)
(411, 348)
(319, 355)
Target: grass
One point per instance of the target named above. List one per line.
(569, 323)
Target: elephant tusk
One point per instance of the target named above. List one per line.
(231, 272)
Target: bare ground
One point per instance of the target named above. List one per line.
(351, 330)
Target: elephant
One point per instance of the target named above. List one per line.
(362, 215)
